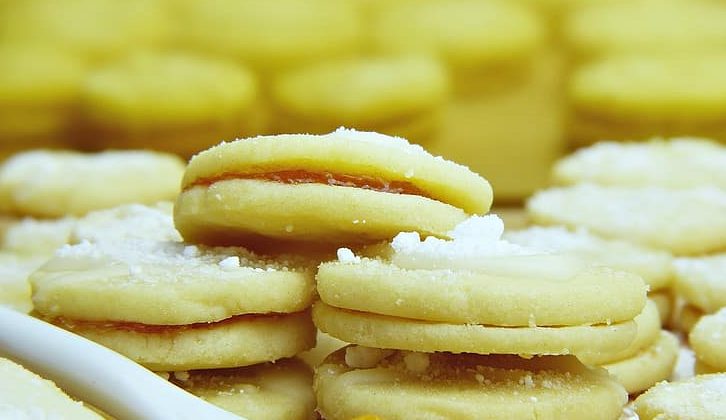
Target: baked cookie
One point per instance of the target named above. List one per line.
(701, 281)
(276, 391)
(58, 183)
(25, 395)
(345, 187)
(708, 339)
(654, 363)
(14, 286)
(399, 385)
(702, 397)
(37, 236)
(401, 96)
(435, 288)
(665, 302)
(654, 266)
(670, 163)
(172, 306)
(129, 221)
(201, 100)
(642, 96)
(649, 216)
(686, 317)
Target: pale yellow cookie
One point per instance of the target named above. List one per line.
(25, 395)
(687, 317)
(276, 391)
(385, 331)
(708, 339)
(654, 266)
(684, 222)
(649, 329)
(654, 363)
(404, 385)
(237, 341)
(665, 302)
(324, 345)
(702, 397)
(703, 369)
(37, 236)
(14, 285)
(58, 183)
(702, 281)
(343, 187)
(670, 163)
(129, 221)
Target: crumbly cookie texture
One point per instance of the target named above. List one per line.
(701, 397)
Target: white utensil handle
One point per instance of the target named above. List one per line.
(99, 375)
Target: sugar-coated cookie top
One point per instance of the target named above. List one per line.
(49, 183)
(702, 397)
(646, 26)
(25, 395)
(37, 236)
(702, 281)
(363, 90)
(671, 86)
(350, 153)
(130, 221)
(674, 163)
(195, 90)
(463, 33)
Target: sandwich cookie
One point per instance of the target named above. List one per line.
(346, 187)
(701, 397)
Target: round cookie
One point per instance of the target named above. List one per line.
(400, 96)
(25, 395)
(649, 330)
(708, 339)
(645, 26)
(701, 281)
(649, 216)
(343, 187)
(59, 183)
(384, 331)
(237, 341)
(280, 390)
(414, 385)
(654, 266)
(15, 289)
(683, 162)
(642, 96)
(37, 236)
(687, 317)
(129, 221)
(201, 101)
(702, 397)
(651, 365)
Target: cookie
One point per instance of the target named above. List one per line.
(59, 183)
(644, 26)
(654, 266)
(654, 363)
(280, 390)
(686, 318)
(401, 96)
(649, 330)
(708, 339)
(398, 385)
(25, 395)
(648, 216)
(279, 34)
(701, 282)
(40, 237)
(14, 286)
(385, 331)
(156, 299)
(201, 100)
(343, 187)
(670, 163)
(702, 397)
(642, 96)
(665, 302)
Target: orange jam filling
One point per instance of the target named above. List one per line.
(71, 324)
(299, 176)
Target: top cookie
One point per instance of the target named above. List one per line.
(342, 187)
(46, 183)
(675, 163)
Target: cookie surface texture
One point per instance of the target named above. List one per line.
(343, 187)
(464, 386)
(702, 397)
(708, 339)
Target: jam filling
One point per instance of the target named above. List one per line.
(299, 176)
(70, 324)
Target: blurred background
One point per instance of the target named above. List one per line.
(505, 87)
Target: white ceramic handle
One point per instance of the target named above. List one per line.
(100, 376)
